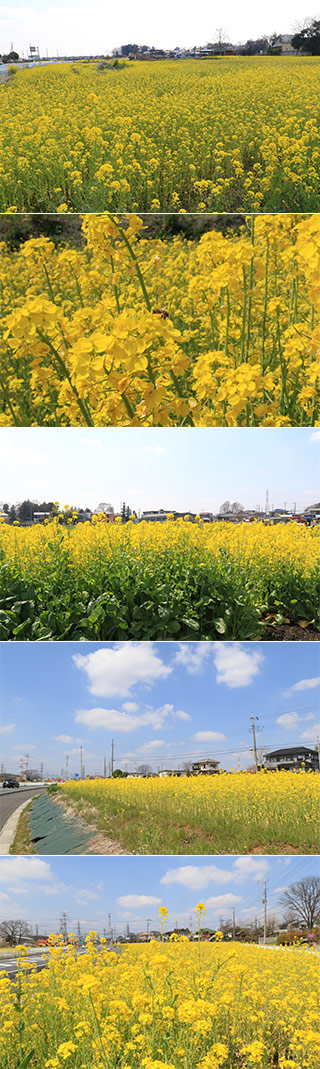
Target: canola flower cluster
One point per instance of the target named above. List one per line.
(267, 812)
(178, 1006)
(127, 330)
(148, 581)
(233, 134)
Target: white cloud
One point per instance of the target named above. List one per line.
(157, 450)
(192, 655)
(117, 669)
(253, 867)
(63, 738)
(110, 719)
(25, 746)
(17, 869)
(236, 667)
(6, 729)
(303, 684)
(5, 899)
(288, 721)
(114, 720)
(86, 895)
(209, 736)
(148, 747)
(135, 901)
(24, 457)
(315, 437)
(222, 901)
(310, 733)
(197, 877)
(130, 707)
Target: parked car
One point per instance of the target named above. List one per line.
(10, 782)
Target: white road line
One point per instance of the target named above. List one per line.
(9, 828)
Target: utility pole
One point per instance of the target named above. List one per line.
(264, 900)
(81, 762)
(253, 718)
(67, 766)
(104, 767)
(233, 924)
(63, 925)
(112, 756)
(41, 770)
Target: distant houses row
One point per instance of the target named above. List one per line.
(79, 515)
(287, 758)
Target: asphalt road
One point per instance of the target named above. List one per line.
(8, 963)
(12, 797)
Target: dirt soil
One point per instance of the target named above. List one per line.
(290, 633)
(100, 844)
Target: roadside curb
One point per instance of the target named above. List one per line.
(9, 829)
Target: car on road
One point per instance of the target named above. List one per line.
(11, 782)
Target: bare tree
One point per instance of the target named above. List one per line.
(301, 901)
(144, 770)
(13, 932)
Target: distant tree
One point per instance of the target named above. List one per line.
(118, 773)
(255, 48)
(11, 57)
(308, 39)
(12, 514)
(231, 506)
(5, 508)
(26, 510)
(302, 901)
(12, 932)
(127, 49)
(144, 770)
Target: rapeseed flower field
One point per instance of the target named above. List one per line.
(268, 812)
(233, 134)
(160, 1005)
(147, 581)
(128, 330)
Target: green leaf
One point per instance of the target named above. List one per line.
(191, 623)
(26, 1061)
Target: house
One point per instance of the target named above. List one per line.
(205, 767)
(292, 757)
(283, 43)
(171, 772)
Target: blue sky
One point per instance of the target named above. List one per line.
(131, 889)
(166, 468)
(72, 27)
(162, 703)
